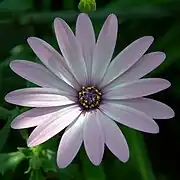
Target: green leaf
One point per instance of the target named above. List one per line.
(4, 113)
(90, 171)
(168, 43)
(48, 165)
(36, 175)
(70, 172)
(68, 4)
(10, 161)
(46, 4)
(4, 133)
(24, 134)
(138, 154)
(16, 5)
(27, 152)
(35, 162)
(138, 165)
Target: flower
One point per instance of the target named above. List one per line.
(85, 91)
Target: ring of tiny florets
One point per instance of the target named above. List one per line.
(89, 97)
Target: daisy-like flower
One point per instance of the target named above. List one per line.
(85, 92)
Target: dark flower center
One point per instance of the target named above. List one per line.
(89, 97)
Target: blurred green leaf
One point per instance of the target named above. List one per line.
(4, 133)
(10, 80)
(168, 43)
(35, 162)
(16, 5)
(68, 4)
(10, 161)
(138, 166)
(27, 152)
(4, 113)
(90, 171)
(138, 154)
(70, 172)
(7, 176)
(36, 175)
(48, 165)
(24, 134)
(46, 4)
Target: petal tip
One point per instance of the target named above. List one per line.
(30, 143)
(96, 163)
(150, 39)
(61, 165)
(156, 130)
(171, 113)
(125, 159)
(57, 21)
(112, 16)
(163, 55)
(6, 98)
(14, 125)
(30, 39)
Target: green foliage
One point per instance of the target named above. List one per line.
(36, 175)
(10, 161)
(17, 5)
(4, 133)
(4, 113)
(91, 171)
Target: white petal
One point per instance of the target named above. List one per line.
(39, 75)
(38, 97)
(126, 58)
(52, 59)
(104, 48)
(114, 138)
(94, 138)
(54, 125)
(135, 89)
(34, 117)
(70, 50)
(70, 142)
(86, 38)
(130, 117)
(152, 108)
(146, 64)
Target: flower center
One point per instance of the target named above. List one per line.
(89, 97)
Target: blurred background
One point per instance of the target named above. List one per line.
(153, 157)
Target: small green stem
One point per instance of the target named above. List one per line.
(24, 134)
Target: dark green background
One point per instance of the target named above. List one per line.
(153, 157)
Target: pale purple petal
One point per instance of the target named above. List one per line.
(126, 58)
(114, 138)
(54, 125)
(70, 50)
(38, 97)
(34, 117)
(52, 59)
(135, 89)
(104, 48)
(130, 117)
(93, 138)
(70, 142)
(86, 38)
(39, 75)
(152, 108)
(142, 67)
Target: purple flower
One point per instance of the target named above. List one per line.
(83, 91)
